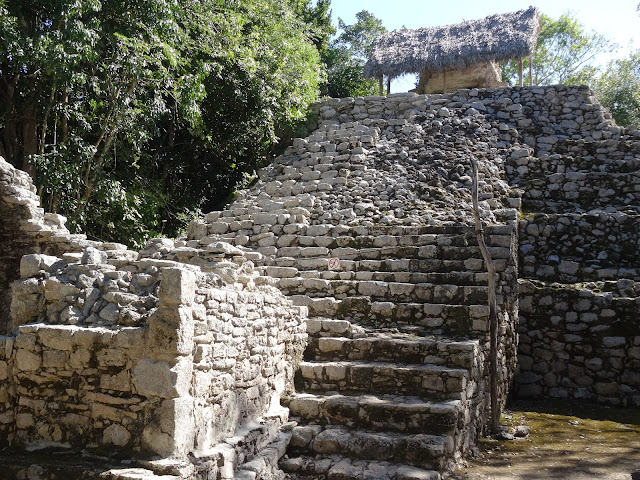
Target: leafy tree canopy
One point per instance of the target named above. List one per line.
(618, 89)
(131, 115)
(564, 54)
(347, 55)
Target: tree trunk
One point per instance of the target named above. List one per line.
(494, 424)
(9, 133)
(29, 138)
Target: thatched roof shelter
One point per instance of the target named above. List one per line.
(494, 38)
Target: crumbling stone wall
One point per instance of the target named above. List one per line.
(144, 354)
(203, 360)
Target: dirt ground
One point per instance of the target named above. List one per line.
(567, 442)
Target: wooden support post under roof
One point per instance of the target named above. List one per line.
(388, 84)
(530, 69)
(381, 85)
(520, 71)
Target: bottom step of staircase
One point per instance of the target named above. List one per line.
(334, 467)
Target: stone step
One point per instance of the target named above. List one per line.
(420, 450)
(400, 349)
(615, 156)
(425, 381)
(372, 241)
(457, 320)
(379, 412)
(585, 190)
(446, 277)
(441, 252)
(291, 266)
(335, 467)
(331, 327)
(385, 291)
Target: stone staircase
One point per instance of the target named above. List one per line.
(392, 383)
(393, 371)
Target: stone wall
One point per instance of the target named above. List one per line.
(580, 343)
(25, 229)
(172, 351)
(199, 360)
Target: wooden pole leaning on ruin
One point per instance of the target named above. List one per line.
(494, 424)
(520, 71)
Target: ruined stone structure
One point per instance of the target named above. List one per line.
(186, 360)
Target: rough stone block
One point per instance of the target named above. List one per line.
(30, 265)
(177, 287)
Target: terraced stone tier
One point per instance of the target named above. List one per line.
(387, 348)
(564, 192)
(433, 317)
(392, 413)
(426, 381)
(395, 292)
(334, 467)
(446, 277)
(419, 450)
(442, 252)
(392, 265)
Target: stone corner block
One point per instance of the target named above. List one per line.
(177, 287)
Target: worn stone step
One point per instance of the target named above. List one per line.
(456, 320)
(331, 327)
(446, 277)
(385, 291)
(585, 190)
(426, 381)
(382, 253)
(379, 412)
(395, 348)
(289, 266)
(420, 450)
(336, 467)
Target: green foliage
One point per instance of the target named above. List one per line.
(618, 89)
(347, 55)
(131, 115)
(564, 54)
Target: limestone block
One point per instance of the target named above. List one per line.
(110, 313)
(161, 379)
(53, 359)
(373, 288)
(172, 433)
(30, 265)
(54, 290)
(93, 256)
(116, 435)
(177, 287)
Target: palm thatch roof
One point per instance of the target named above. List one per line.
(494, 38)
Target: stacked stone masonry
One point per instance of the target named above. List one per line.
(146, 357)
(184, 349)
